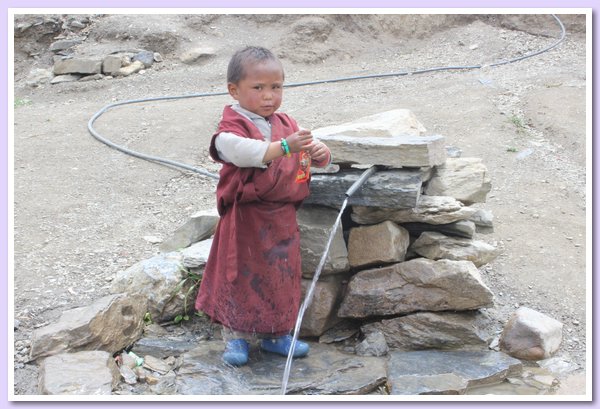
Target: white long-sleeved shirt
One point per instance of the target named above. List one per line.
(245, 152)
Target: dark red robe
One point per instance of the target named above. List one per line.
(251, 282)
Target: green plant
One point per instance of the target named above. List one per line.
(148, 319)
(19, 102)
(195, 280)
(518, 123)
(511, 149)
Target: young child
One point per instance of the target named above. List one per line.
(252, 281)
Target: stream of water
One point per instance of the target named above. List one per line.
(308, 297)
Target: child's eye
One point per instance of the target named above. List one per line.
(258, 87)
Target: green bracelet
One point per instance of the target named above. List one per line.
(285, 147)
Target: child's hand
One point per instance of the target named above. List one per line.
(318, 152)
(299, 141)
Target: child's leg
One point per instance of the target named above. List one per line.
(236, 347)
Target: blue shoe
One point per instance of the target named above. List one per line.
(282, 346)
(236, 352)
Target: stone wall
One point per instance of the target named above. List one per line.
(401, 273)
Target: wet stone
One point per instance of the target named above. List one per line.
(559, 366)
(163, 347)
(325, 371)
(450, 372)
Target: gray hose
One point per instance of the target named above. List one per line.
(292, 85)
(143, 155)
(361, 180)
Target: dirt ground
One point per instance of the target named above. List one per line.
(82, 210)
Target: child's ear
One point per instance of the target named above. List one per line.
(233, 90)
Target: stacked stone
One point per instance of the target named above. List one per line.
(122, 64)
(401, 275)
(69, 66)
(404, 267)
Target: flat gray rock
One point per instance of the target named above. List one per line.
(79, 373)
(162, 347)
(325, 371)
(399, 188)
(448, 372)
(395, 151)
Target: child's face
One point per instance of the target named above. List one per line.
(261, 90)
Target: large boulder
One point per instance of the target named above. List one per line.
(435, 330)
(415, 285)
(163, 281)
(109, 324)
(531, 335)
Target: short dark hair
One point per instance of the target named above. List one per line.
(236, 68)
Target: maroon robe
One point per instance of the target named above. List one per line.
(252, 280)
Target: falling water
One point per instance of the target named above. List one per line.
(308, 299)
